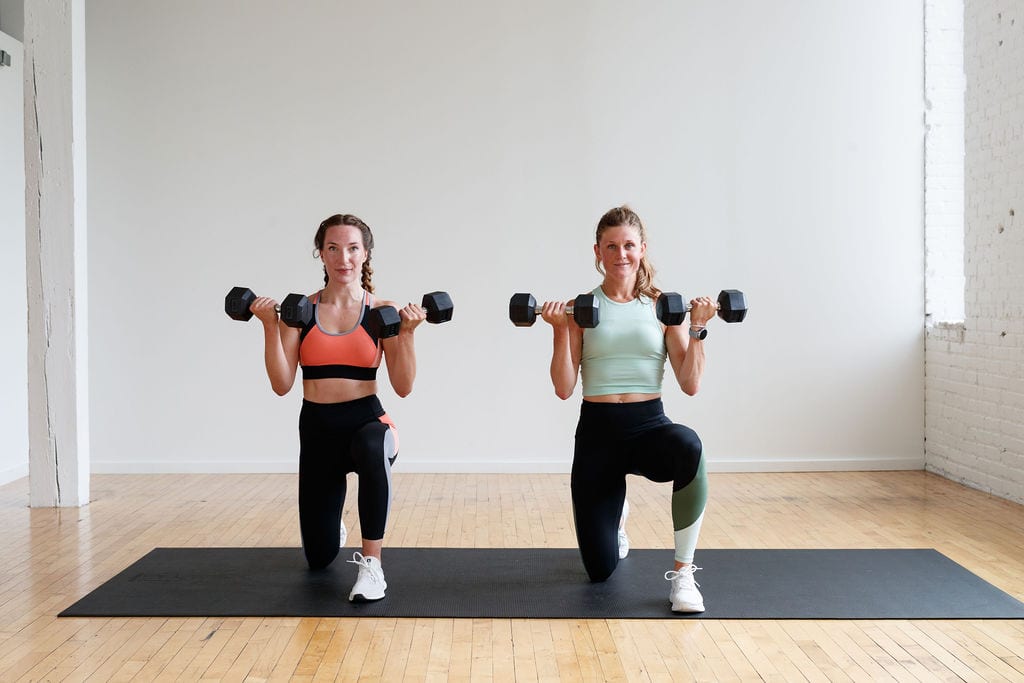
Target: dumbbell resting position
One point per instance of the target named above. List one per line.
(295, 311)
(298, 311)
(671, 308)
(387, 320)
(523, 310)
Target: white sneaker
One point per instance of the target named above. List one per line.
(623, 538)
(370, 584)
(344, 535)
(684, 594)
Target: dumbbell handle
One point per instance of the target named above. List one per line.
(689, 307)
(569, 308)
(672, 307)
(277, 308)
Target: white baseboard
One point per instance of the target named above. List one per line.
(817, 465)
(196, 467)
(412, 465)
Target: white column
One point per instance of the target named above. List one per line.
(55, 245)
(944, 86)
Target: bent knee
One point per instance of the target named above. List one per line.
(372, 445)
(601, 572)
(320, 558)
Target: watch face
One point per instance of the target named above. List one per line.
(698, 334)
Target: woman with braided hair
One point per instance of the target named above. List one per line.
(342, 426)
(622, 427)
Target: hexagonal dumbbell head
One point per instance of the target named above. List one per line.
(522, 309)
(732, 305)
(671, 308)
(296, 310)
(585, 310)
(439, 307)
(383, 322)
(237, 302)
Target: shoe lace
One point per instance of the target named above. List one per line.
(365, 567)
(684, 573)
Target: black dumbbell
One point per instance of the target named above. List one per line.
(439, 307)
(523, 310)
(296, 310)
(385, 321)
(672, 308)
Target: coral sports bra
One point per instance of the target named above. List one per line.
(353, 354)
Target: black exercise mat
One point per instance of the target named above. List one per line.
(550, 583)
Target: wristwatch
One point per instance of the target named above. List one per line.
(698, 334)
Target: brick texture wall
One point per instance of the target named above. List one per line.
(974, 402)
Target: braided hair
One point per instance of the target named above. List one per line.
(622, 216)
(364, 229)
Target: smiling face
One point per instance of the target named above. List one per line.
(619, 251)
(343, 254)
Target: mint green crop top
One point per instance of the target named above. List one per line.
(626, 352)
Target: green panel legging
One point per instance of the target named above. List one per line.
(616, 439)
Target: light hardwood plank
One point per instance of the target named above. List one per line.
(55, 557)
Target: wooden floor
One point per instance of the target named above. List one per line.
(53, 557)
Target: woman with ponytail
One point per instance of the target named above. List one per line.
(622, 427)
(342, 426)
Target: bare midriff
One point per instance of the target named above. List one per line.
(337, 390)
(621, 398)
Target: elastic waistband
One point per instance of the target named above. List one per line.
(620, 420)
(357, 410)
(653, 406)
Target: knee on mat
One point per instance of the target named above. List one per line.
(600, 574)
(599, 567)
(320, 558)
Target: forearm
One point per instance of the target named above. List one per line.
(691, 370)
(280, 372)
(563, 370)
(401, 358)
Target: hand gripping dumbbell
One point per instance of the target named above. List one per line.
(523, 310)
(672, 308)
(296, 310)
(385, 321)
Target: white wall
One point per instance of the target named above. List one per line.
(12, 18)
(975, 386)
(771, 147)
(13, 333)
(944, 161)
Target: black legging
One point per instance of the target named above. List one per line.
(335, 439)
(613, 440)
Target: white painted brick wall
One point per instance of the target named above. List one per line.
(974, 387)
